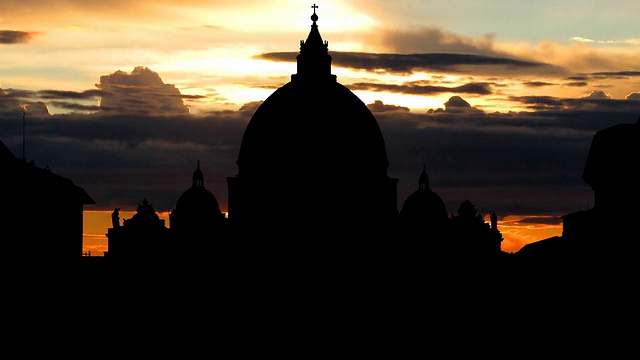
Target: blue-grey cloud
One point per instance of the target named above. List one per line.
(410, 63)
(537, 83)
(415, 88)
(500, 161)
(378, 107)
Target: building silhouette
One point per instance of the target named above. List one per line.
(607, 232)
(313, 161)
(143, 236)
(41, 214)
(312, 188)
(197, 221)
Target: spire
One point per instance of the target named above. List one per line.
(423, 182)
(198, 177)
(314, 61)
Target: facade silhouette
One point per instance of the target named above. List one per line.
(41, 214)
(607, 232)
(312, 187)
(312, 162)
(312, 184)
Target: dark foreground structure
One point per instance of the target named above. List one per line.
(311, 146)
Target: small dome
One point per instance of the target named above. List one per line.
(197, 199)
(423, 204)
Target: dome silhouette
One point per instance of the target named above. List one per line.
(197, 209)
(423, 206)
(198, 199)
(312, 151)
(312, 128)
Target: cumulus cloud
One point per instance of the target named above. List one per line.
(140, 92)
(15, 37)
(457, 105)
(37, 108)
(251, 106)
(379, 107)
(633, 96)
(8, 103)
(597, 94)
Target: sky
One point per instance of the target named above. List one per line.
(498, 100)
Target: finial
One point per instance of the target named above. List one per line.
(314, 17)
(198, 164)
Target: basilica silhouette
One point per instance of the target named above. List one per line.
(312, 187)
(312, 181)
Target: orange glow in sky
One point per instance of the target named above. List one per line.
(515, 233)
(501, 57)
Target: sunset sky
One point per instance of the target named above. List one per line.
(499, 99)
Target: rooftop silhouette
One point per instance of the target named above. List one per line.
(312, 192)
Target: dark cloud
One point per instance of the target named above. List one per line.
(537, 83)
(74, 106)
(9, 104)
(513, 163)
(500, 161)
(603, 75)
(615, 74)
(596, 101)
(60, 94)
(416, 89)
(37, 108)
(409, 63)
(140, 92)
(15, 37)
(378, 107)
(193, 97)
(577, 83)
(120, 159)
(539, 102)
